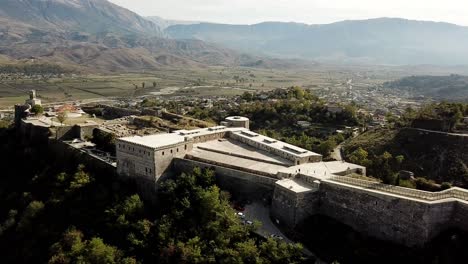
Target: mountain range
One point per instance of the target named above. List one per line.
(375, 41)
(99, 35)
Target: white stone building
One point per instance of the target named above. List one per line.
(234, 147)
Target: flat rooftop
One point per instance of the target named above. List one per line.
(229, 146)
(322, 170)
(42, 122)
(275, 144)
(155, 141)
(207, 131)
(295, 185)
(241, 163)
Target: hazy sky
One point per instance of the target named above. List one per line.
(306, 11)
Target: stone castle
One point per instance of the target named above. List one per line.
(300, 183)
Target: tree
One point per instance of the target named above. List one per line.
(37, 109)
(80, 179)
(62, 117)
(199, 226)
(359, 156)
(73, 249)
(31, 211)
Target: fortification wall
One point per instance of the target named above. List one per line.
(238, 183)
(389, 217)
(292, 208)
(30, 132)
(77, 131)
(460, 216)
(404, 216)
(66, 133)
(117, 112)
(68, 152)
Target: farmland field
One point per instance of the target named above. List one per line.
(189, 82)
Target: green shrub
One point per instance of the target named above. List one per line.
(445, 185)
(407, 184)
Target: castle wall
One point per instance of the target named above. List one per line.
(31, 132)
(145, 162)
(239, 183)
(387, 217)
(66, 133)
(135, 160)
(76, 131)
(117, 112)
(460, 216)
(68, 152)
(165, 157)
(209, 137)
(292, 208)
(86, 131)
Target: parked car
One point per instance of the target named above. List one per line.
(241, 215)
(276, 237)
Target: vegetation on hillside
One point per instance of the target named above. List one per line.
(453, 87)
(52, 210)
(33, 69)
(276, 114)
(433, 157)
(446, 117)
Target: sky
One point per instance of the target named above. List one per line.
(303, 11)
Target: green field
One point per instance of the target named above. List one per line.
(190, 82)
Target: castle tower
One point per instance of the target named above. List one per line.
(238, 121)
(32, 101)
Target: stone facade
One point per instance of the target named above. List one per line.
(291, 208)
(141, 161)
(385, 216)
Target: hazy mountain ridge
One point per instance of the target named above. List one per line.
(165, 23)
(380, 41)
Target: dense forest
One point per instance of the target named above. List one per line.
(54, 210)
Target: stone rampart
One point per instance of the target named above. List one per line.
(68, 152)
(401, 215)
(239, 183)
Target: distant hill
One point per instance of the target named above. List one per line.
(374, 41)
(165, 23)
(99, 35)
(452, 87)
